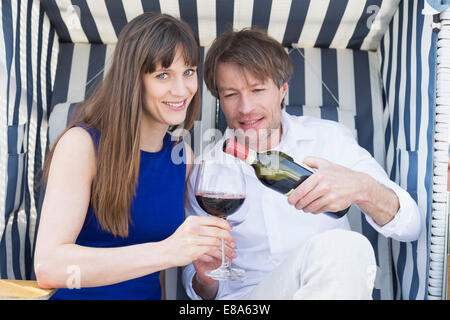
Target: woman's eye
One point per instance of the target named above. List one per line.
(162, 76)
(189, 72)
(229, 95)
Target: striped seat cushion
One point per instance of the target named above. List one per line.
(345, 117)
(348, 80)
(80, 69)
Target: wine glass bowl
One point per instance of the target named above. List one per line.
(220, 191)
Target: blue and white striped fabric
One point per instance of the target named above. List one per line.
(28, 47)
(357, 24)
(375, 72)
(408, 52)
(80, 68)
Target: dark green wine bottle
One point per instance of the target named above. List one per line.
(274, 169)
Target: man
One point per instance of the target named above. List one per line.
(289, 249)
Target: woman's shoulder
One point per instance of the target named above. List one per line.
(77, 137)
(93, 132)
(77, 146)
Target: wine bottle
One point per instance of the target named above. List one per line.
(274, 169)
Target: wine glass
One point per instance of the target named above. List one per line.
(220, 191)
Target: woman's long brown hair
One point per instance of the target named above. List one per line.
(115, 110)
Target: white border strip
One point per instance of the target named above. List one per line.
(437, 280)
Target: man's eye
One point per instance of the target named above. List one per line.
(162, 76)
(258, 89)
(229, 95)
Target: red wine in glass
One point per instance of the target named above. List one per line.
(220, 191)
(220, 204)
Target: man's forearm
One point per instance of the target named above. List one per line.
(206, 291)
(378, 201)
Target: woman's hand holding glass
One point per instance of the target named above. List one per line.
(198, 237)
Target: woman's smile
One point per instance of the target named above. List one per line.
(176, 105)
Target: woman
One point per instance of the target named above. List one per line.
(112, 216)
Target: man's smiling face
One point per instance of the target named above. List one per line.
(251, 106)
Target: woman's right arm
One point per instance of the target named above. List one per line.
(59, 262)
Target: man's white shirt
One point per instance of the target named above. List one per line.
(272, 229)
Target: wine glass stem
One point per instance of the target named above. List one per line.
(224, 261)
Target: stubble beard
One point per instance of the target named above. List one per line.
(260, 140)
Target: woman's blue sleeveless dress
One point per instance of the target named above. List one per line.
(156, 212)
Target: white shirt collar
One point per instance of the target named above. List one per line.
(293, 129)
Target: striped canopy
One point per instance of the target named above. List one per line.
(369, 64)
(357, 24)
